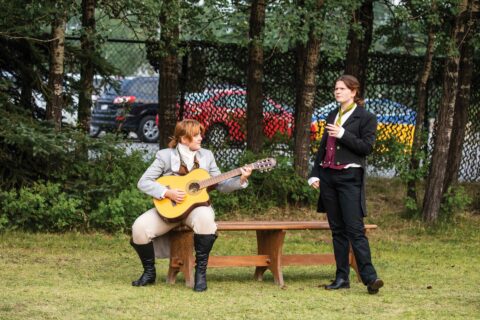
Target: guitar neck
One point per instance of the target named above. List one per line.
(222, 177)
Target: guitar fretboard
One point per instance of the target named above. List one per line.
(224, 176)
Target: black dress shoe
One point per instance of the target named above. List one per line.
(374, 286)
(338, 284)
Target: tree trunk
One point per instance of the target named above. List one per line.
(299, 76)
(255, 77)
(168, 83)
(55, 79)
(443, 132)
(87, 67)
(305, 97)
(299, 69)
(359, 44)
(462, 104)
(420, 118)
(26, 99)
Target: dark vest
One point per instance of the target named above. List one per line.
(329, 159)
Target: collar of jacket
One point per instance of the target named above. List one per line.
(357, 113)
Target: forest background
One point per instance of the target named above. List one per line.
(57, 178)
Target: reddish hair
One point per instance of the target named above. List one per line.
(186, 129)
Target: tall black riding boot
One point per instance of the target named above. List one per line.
(147, 257)
(203, 245)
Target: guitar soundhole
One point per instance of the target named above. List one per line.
(194, 187)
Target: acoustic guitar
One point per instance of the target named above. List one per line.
(195, 185)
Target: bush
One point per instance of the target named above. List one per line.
(41, 207)
(454, 200)
(390, 154)
(82, 173)
(278, 187)
(117, 213)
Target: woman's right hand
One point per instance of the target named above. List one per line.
(316, 184)
(176, 195)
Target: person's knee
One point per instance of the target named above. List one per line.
(337, 229)
(139, 233)
(204, 225)
(355, 232)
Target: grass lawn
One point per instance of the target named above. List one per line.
(428, 274)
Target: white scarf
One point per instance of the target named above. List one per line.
(187, 155)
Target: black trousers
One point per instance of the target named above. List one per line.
(340, 193)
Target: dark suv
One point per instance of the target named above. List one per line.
(131, 109)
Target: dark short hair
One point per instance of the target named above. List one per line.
(352, 83)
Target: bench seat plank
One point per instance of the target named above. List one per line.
(276, 225)
(271, 225)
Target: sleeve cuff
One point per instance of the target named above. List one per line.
(340, 134)
(162, 194)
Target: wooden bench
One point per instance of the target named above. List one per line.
(270, 238)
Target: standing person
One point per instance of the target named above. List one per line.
(339, 171)
(184, 153)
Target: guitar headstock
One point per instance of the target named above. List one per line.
(264, 164)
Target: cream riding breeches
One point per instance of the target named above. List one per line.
(149, 225)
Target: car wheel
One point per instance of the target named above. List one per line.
(148, 130)
(217, 135)
(94, 131)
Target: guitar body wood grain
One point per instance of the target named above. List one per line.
(174, 212)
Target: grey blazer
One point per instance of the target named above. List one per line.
(167, 162)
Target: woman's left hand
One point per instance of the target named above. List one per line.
(246, 172)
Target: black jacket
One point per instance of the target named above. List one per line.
(356, 143)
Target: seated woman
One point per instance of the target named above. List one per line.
(184, 154)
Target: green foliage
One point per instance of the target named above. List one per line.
(118, 212)
(411, 206)
(404, 27)
(278, 187)
(3, 221)
(41, 207)
(455, 200)
(390, 154)
(84, 176)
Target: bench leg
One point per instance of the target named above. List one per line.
(270, 242)
(353, 263)
(181, 257)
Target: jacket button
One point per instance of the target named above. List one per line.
(338, 147)
(338, 163)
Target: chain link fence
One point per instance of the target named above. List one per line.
(212, 90)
